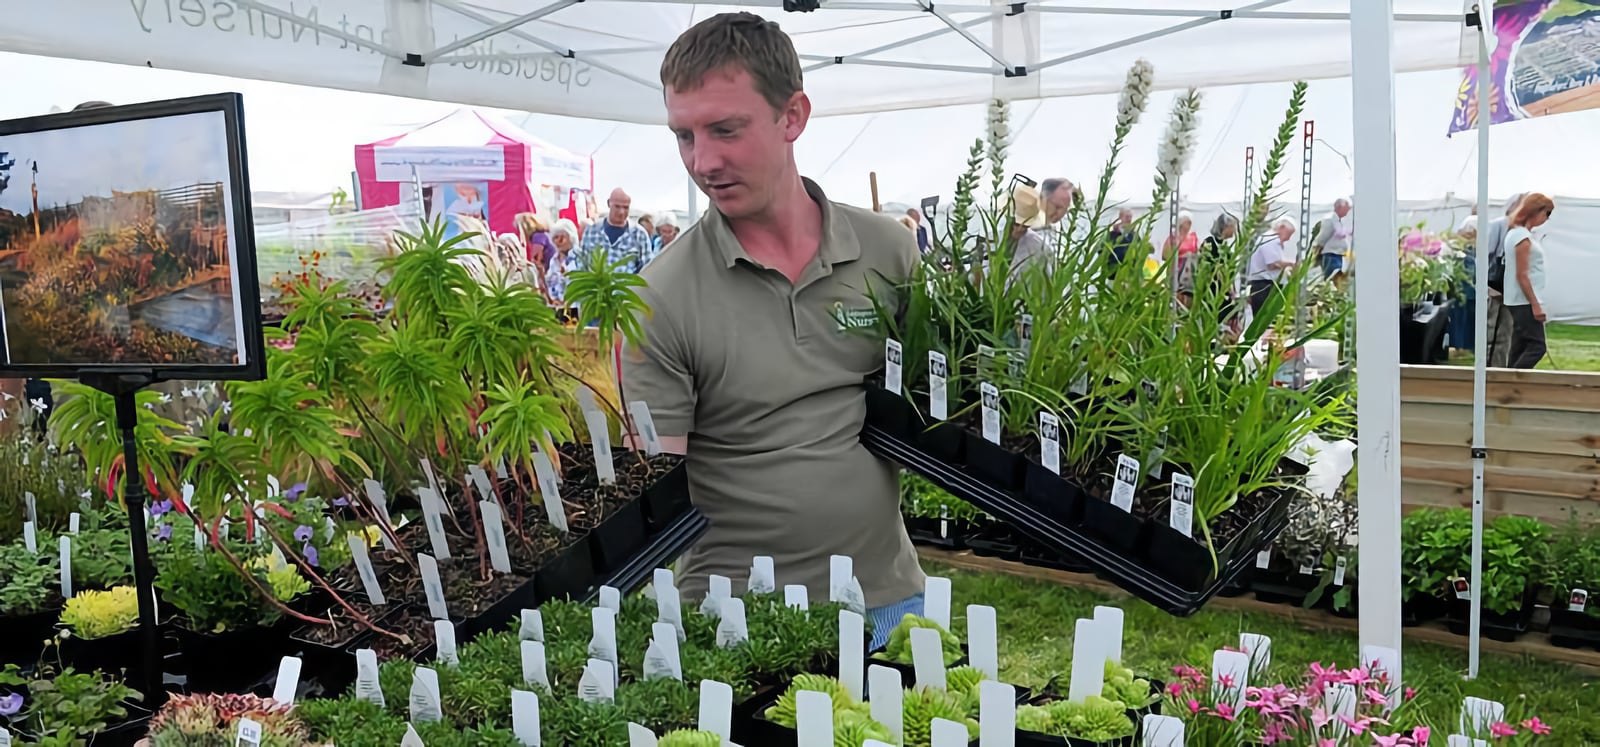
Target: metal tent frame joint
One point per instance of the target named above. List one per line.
(1226, 15)
(414, 60)
(1019, 71)
(1478, 453)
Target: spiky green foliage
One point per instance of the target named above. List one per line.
(1121, 684)
(899, 647)
(1036, 719)
(852, 728)
(606, 297)
(964, 679)
(783, 712)
(427, 277)
(688, 738)
(923, 705)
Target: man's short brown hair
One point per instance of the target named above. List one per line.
(743, 41)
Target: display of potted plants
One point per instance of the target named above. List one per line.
(1573, 577)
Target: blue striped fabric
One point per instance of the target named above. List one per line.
(883, 619)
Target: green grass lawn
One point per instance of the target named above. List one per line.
(1573, 347)
(1037, 621)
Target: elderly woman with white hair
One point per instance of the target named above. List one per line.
(1269, 260)
(564, 236)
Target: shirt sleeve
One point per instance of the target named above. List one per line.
(659, 372)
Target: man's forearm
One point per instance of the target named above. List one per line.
(669, 444)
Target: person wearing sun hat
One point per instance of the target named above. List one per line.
(1029, 245)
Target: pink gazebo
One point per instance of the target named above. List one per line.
(469, 163)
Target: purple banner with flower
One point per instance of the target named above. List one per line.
(1547, 61)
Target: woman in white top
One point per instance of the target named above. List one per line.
(1523, 293)
(1269, 261)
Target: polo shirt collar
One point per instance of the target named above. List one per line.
(839, 242)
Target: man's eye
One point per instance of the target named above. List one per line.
(685, 137)
(724, 132)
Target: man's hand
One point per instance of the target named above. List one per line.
(1538, 311)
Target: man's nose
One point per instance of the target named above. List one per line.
(706, 158)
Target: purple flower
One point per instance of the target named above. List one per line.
(311, 555)
(11, 705)
(164, 533)
(159, 508)
(303, 533)
(293, 493)
(342, 501)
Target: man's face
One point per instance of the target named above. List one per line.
(667, 233)
(1341, 209)
(915, 216)
(1125, 217)
(1057, 205)
(618, 206)
(733, 144)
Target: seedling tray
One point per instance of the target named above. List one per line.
(1126, 572)
(661, 549)
(945, 534)
(666, 499)
(1570, 629)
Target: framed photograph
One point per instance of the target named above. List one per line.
(126, 244)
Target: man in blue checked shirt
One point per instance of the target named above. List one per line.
(620, 239)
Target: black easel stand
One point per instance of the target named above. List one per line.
(122, 387)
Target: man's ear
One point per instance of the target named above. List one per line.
(796, 115)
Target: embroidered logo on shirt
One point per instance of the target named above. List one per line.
(854, 318)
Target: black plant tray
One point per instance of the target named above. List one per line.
(233, 660)
(666, 499)
(952, 534)
(1507, 627)
(619, 537)
(22, 637)
(995, 541)
(1126, 572)
(660, 550)
(756, 729)
(569, 573)
(1040, 556)
(333, 665)
(1570, 629)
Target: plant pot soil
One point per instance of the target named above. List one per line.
(943, 440)
(1189, 563)
(1570, 629)
(569, 573)
(621, 533)
(1421, 610)
(1116, 529)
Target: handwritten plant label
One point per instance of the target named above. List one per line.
(549, 487)
(534, 671)
(532, 626)
(603, 643)
(1182, 518)
(1050, 442)
(600, 438)
(494, 531)
(1127, 480)
(425, 699)
(646, 426)
(938, 391)
(66, 567)
(433, 587)
(991, 412)
(731, 629)
(369, 577)
(411, 738)
(763, 579)
(893, 366)
(444, 643)
(367, 686)
(664, 641)
(721, 588)
(433, 517)
(599, 682)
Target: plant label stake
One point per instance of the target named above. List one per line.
(66, 566)
(611, 598)
(946, 733)
(938, 392)
(794, 595)
(1457, 740)
(1154, 459)
(1162, 731)
(444, 643)
(886, 698)
(983, 640)
(731, 629)
(1088, 660)
(199, 537)
(433, 480)
(639, 736)
(1384, 661)
(550, 488)
(600, 439)
(1230, 674)
(1110, 619)
(936, 600)
(32, 505)
(1259, 649)
(367, 687)
(433, 587)
(1264, 558)
(481, 481)
(288, 680)
(721, 587)
(525, 717)
(893, 366)
(1127, 480)
(29, 538)
(661, 659)
(411, 738)
(1182, 503)
(599, 682)
(927, 657)
(997, 711)
(532, 626)
(500, 470)
(669, 604)
(5, 737)
(433, 517)
(369, 577)
(1578, 601)
(274, 488)
(763, 579)
(1477, 714)
(646, 425)
(73, 522)
(533, 664)
(1341, 701)
(249, 734)
(813, 719)
(1050, 442)
(1339, 570)
(603, 643)
(494, 530)
(991, 412)
(1025, 337)
(425, 697)
(843, 587)
(1080, 385)
(716, 708)
(852, 653)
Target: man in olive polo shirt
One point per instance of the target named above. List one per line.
(748, 367)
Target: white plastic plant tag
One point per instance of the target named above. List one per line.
(369, 577)
(893, 366)
(938, 386)
(997, 712)
(936, 600)
(1462, 588)
(444, 643)
(852, 653)
(1080, 385)
(1230, 674)
(854, 599)
(433, 480)
(875, 743)
(534, 671)
(1025, 335)
(411, 738)
(1162, 731)
(525, 717)
(661, 659)
(1259, 649)
(1264, 558)
(1182, 503)
(74, 521)
(813, 719)
(1127, 480)
(288, 680)
(249, 734)
(1111, 626)
(721, 587)
(1341, 701)
(640, 736)
(716, 708)
(494, 531)
(1457, 740)
(611, 598)
(1478, 714)
(1578, 601)
(947, 733)
(927, 656)
(983, 640)
(886, 698)
(532, 626)
(199, 537)
(480, 483)
(274, 488)
(550, 489)
(600, 440)
(1153, 459)
(840, 569)
(30, 538)
(1307, 569)
(763, 579)
(990, 395)
(367, 686)
(1385, 662)
(669, 608)
(32, 506)
(599, 682)
(646, 426)
(66, 567)
(5, 737)
(1050, 442)
(603, 643)
(433, 518)
(1088, 661)
(425, 698)
(432, 587)
(1339, 570)
(500, 470)
(731, 629)
(794, 595)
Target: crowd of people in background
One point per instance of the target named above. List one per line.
(619, 238)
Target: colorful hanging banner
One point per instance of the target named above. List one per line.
(1546, 61)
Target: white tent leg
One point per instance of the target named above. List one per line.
(1377, 333)
(1480, 323)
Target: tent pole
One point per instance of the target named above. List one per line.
(1377, 331)
(1480, 326)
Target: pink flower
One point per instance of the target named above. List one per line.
(1375, 696)
(1411, 694)
(1501, 729)
(1327, 743)
(1420, 735)
(1194, 706)
(1320, 717)
(1226, 681)
(1357, 676)
(1232, 649)
(1536, 726)
(1357, 727)
(1175, 689)
(1392, 740)
(1274, 734)
(1225, 712)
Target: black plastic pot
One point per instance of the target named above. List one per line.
(333, 664)
(1035, 739)
(1039, 556)
(116, 653)
(22, 637)
(233, 660)
(757, 729)
(619, 538)
(995, 541)
(1288, 588)
(889, 411)
(946, 534)
(508, 608)
(1507, 627)
(1570, 629)
(1421, 610)
(993, 463)
(908, 672)
(666, 499)
(569, 573)
(1118, 530)
(1055, 496)
(943, 440)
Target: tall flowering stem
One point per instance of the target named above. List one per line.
(997, 143)
(1177, 144)
(1131, 106)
